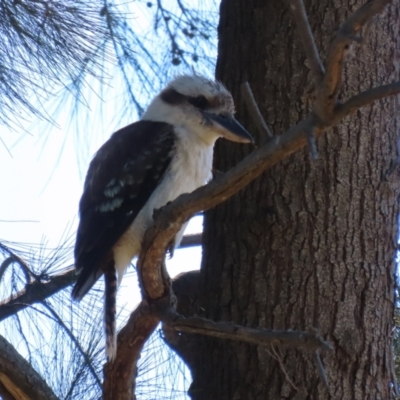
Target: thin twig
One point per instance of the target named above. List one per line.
(321, 369)
(13, 258)
(365, 98)
(255, 113)
(307, 38)
(276, 356)
(5, 264)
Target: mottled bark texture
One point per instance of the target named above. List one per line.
(308, 244)
(18, 380)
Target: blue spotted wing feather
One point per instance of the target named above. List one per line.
(121, 178)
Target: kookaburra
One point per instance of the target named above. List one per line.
(141, 168)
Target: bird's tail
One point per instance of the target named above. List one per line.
(110, 294)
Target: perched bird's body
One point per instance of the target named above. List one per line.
(187, 172)
(141, 168)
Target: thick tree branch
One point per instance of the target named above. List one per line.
(307, 38)
(119, 377)
(19, 378)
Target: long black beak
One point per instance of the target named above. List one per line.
(229, 128)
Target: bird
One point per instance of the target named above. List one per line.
(141, 168)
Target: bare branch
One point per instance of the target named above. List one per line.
(307, 38)
(36, 292)
(365, 98)
(119, 377)
(255, 113)
(19, 378)
(259, 336)
(321, 369)
(13, 258)
(191, 240)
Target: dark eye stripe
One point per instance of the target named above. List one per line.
(199, 102)
(171, 96)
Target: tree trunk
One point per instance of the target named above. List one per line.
(308, 244)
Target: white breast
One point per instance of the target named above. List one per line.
(190, 168)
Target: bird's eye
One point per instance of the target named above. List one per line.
(199, 102)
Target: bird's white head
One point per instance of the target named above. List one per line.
(200, 106)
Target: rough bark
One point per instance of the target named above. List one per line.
(120, 375)
(307, 245)
(18, 380)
